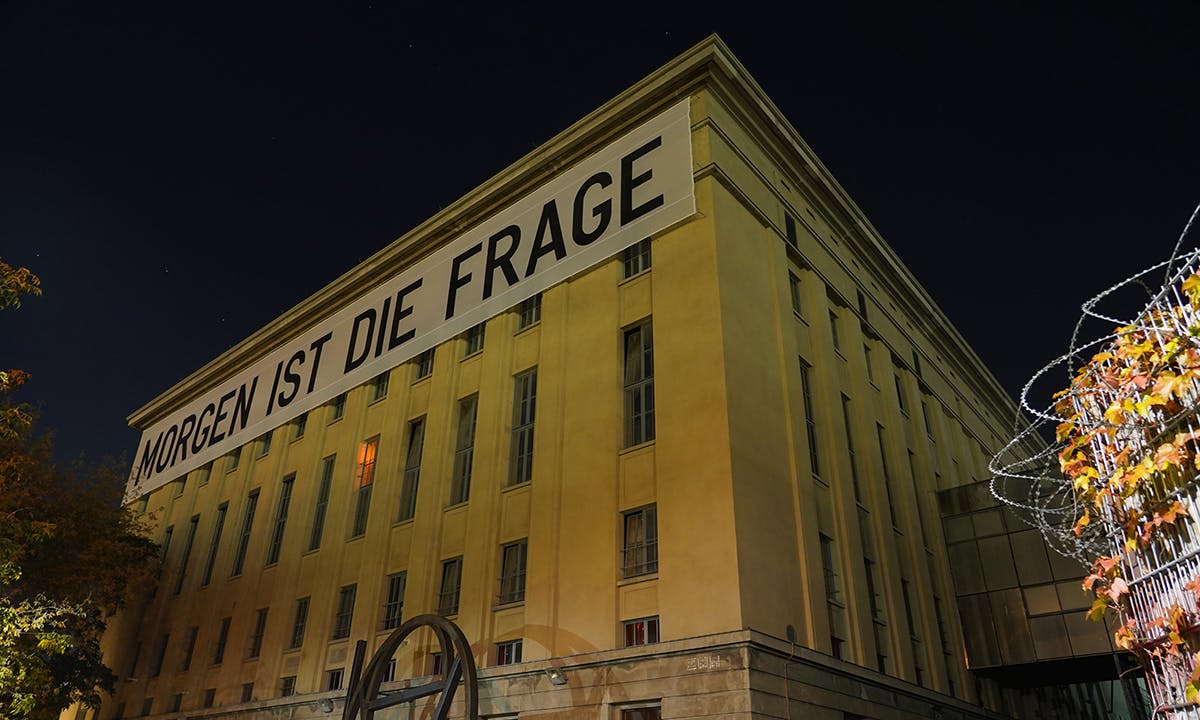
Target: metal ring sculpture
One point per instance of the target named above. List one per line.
(363, 698)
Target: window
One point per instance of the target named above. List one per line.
(299, 623)
(642, 631)
(210, 697)
(300, 426)
(264, 443)
(508, 653)
(789, 229)
(379, 386)
(389, 673)
(166, 543)
(916, 363)
(520, 469)
(205, 474)
(850, 449)
(147, 706)
(424, 364)
(908, 614)
(187, 552)
(120, 710)
(215, 543)
(880, 627)
(142, 503)
(160, 655)
(473, 340)
(333, 679)
(948, 654)
(222, 640)
(529, 312)
(337, 408)
(435, 661)
(281, 513)
(912, 473)
(137, 650)
(179, 486)
(639, 384)
(364, 479)
(232, 460)
(256, 635)
(640, 555)
(464, 450)
(900, 395)
(239, 559)
(635, 259)
(867, 362)
(318, 525)
(345, 612)
(794, 287)
(833, 591)
(862, 305)
(925, 418)
(642, 713)
(451, 582)
(188, 649)
(917, 649)
(287, 686)
(176, 702)
(412, 469)
(393, 605)
(833, 329)
(810, 422)
(887, 478)
(512, 572)
(247, 692)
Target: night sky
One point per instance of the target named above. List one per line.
(179, 174)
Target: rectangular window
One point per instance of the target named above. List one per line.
(424, 365)
(264, 443)
(794, 287)
(435, 662)
(189, 648)
(147, 706)
(512, 572)
(222, 640)
(918, 650)
(393, 604)
(789, 230)
(912, 473)
(873, 599)
(887, 477)
(247, 692)
(640, 554)
(642, 631)
(215, 543)
(300, 426)
(364, 479)
(833, 591)
(287, 686)
(232, 460)
(160, 655)
(300, 622)
(473, 340)
(256, 635)
(508, 653)
(281, 513)
(205, 474)
(239, 558)
(908, 614)
(867, 362)
(639, 384)
(179, 486)
(176, 702)
(318, 525)
(451, 584)
(524, 403)
(862, 305)
(635, 259)
(210, 697)
(345, 612)
(464, 450)
(850, 448)
(900, 398)
(379, 386)
(529, 312)
(166, 543)
(833, 329)
(810, 422)
(412, 469)
(187, 552)
(333, 679)
(337, 408)
(389, 673)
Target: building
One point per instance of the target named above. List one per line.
(728, 464)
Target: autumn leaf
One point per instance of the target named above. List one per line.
(1099, 608)
(1116, 589)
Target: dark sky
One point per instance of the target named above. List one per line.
(179, 174)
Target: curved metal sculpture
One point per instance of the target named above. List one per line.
(363, 698)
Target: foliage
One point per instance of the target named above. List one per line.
(69, 558)
(1128, 449)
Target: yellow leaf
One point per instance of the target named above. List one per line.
(1099, 607)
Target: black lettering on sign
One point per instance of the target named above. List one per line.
(185, 432)
(164, 453)
(202, 430)
(316, 348)
(353, 361)
(291, 378)
(457, 282)
(217, 437)
(503, 261)
(630, 182)
(547, 225)
(395, 337)
(603, 211)
(241, 409)
(274, 387)
(387, 309)
(146, 466)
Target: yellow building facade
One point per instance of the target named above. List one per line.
(699, 478)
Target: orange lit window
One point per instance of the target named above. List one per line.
(366, 462)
